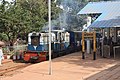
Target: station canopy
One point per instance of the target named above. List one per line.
(110, 13)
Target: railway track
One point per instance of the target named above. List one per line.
(11, 69)
(7, 61)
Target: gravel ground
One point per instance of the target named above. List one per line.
(9, 65)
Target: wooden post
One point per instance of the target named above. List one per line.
(83, 46)
(94, 44)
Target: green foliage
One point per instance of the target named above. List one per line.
(3, 37)
(24, 16)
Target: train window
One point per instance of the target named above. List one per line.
(42, 38)
(35, 40)
(58, 37)
(62, 36)
(45, 38)
(118, 33)
(67, 37)
(53, 37)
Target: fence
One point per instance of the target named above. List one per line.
(14, 51)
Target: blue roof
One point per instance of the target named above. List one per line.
(110, 13)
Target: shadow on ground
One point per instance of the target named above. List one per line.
(76, 59)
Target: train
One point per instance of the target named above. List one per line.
(62, 42)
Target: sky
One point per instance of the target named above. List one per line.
(7, 0)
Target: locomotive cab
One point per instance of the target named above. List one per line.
(34, 45)
(34, 51)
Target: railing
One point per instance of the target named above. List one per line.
(114, 49)
(14, 49)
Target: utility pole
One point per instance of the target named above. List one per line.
(49, 13)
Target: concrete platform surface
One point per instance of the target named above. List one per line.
(71, 67)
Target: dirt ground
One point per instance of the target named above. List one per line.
(71, 67)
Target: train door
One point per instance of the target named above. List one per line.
(78, 40)
(42, 40)
(52, 40)
(45, 41)
(72, 39)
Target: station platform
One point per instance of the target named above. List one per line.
(71, 67)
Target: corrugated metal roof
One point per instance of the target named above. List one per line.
(110, 13)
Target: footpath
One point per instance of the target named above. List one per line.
(71, 67)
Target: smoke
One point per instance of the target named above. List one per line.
(68, 18)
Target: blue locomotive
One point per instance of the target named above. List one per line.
(62, 43)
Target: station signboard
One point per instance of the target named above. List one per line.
(88, 35)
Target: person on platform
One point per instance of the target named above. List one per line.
(1, 56)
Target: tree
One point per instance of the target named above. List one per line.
(24, 16)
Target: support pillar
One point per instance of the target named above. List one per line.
(108, 33)
(88, 30)
(103, 35)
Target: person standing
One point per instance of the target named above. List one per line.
(1, 56)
